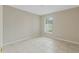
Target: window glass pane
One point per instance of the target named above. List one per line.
(48, 24)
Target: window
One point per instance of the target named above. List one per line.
(48, 24)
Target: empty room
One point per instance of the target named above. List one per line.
(39, 28)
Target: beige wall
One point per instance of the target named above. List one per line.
(19, 25)
(66, 24)
(1, 26)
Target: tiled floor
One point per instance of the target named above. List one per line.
(41, 45)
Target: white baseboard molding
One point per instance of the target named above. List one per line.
(8, 43)
(58, 38)
(22, 39)
(74, 42)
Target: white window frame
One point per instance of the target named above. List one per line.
(45, 19)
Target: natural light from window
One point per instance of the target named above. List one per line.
(48, 25)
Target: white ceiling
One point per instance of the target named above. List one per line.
(43, 9)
